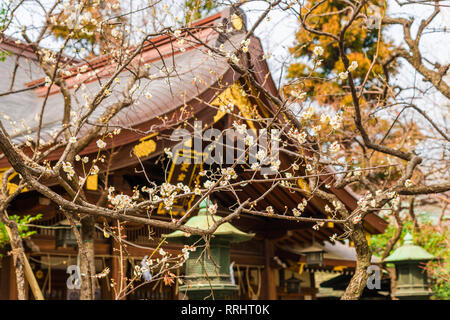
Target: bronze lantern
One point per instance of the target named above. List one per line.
(293, 285)
(314, 255)
(412, 280)
(64, 236)
(208, 275)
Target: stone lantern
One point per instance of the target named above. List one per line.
(412, 282)
(208, 274)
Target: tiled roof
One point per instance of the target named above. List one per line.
(194, 71)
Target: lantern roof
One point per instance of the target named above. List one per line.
(64, 223)
(205, 220)
(409, 252)
(315, 247)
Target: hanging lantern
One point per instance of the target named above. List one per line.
(314, 255)
(204, 274)
(293, 284)
(64, 236)
(412, 280)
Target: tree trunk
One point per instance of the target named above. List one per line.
(18, 259)
(87, 265)
(395, 237)
(363, 256)
(412, 214)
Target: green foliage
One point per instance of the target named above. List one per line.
(433, 239)
(22, 225)
(4, 239)
(197, 9)
(3, 18)
(3, 21)
(4, 54)
(378, 242)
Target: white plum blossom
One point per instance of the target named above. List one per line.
(101, 144)
(121, 201)
(261, 155)
(245, 44)
(275, 165)
(296, 212)
(227, 108)
(67, 167)
(213, 208)
(81, 180)
(300, 208)
(299, 136)
(298, 95)
(208, 184)
(335, 147)
(318, 51)
(353, 66)
(249, 140)
(336, 122)
(94, 170)
(229, 173)
(255, 166)
(356, 219)
(308, 113)
(343, 75)
(168, 152)
(240, 128)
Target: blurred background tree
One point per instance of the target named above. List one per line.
(318, 75)
(197, 9)
(99, 29)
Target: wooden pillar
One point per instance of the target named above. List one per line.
(269, 289)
